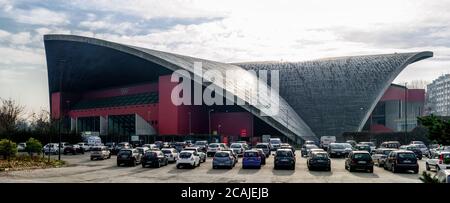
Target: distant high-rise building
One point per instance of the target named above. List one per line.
(438, 96)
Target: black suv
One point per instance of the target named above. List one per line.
(284, 158)
(154, 158)
(402, 160)
(359, 160)
(319, 160)
(129, 156)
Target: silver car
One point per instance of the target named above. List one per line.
(100, 152)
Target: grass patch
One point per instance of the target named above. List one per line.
(27, 162)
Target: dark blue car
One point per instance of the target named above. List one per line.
(251, 159)
(223, 159)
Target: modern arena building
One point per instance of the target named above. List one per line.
(124, 93)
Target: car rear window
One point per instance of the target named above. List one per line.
(151, 154)
(185, 155)
(236, 146)
(284, 153)
(214, 145)
(222, 154)
(96, 149)
(166, 151)
(262, 146)
(251, 154)
(125, 152)
(361, 156)
(337, 146)
(362, 147)
(311, 146)
(406, 155)
(320, 155)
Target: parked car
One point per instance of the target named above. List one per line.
(165, 145)
(188, 159)
(213, 148)
(423, 148)
(401, 160)
(287, 146)
(232, 153)
(371, 145)
(200, 153)
(360, 147)
(262, 155)
(284, 158)
(438, 161)
(443, 176)
(21, 147)
(142, 150)
(128, 156)
(179, 146)
(274, 143)
(440, 149)
(120, 146)
(265, 147)
(63, 145)
(202, 145)
(380, 155)
(238, 148)
(151, 146)
(314, 150)
(338, 150)
(189, 143)
(351, 142)
(417, 142)
(159, 144)
(223, 159)
(50, 148)
(100, 152)
(414, 149)
(73, 149)
(359, 160)
(85, 146)
(251, 159)
(154, 158)
(390, 144)
(309, 142)
(170, 153)
(319, 160)
(306, 147)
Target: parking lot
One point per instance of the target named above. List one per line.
(81, 169)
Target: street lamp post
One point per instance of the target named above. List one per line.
(406, 113)
(61, 72)
(209, 123)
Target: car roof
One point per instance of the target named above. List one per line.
(403, 151)
(251, 150)
(360, 152)
(168, 148)
(186, 151)
(284, 150)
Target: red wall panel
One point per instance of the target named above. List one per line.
(168, 112)
(232, 123)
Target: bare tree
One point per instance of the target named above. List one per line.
(10, 115)
(40, 122)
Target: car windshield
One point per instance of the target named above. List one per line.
(386, 152)
(213, 145)
(368, 143)
(167, 151)
(321, 155)
(185, 155)
(151, 154)
(251, 154)
(362, 156)
(337, 146)
(222, 154)
(96, 149)
(179, 144)
(121, 145)
(421, 146)
(235, 145)
(200, 143)
(411, 148)
(361, 147)
(140, 150)
(406, 156)
(347, 145)
(262, 146)
(125, 152)
(275, 141)
(310, 146)
(391, 145)
(283, 153)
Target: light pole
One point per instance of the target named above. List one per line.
(209, 123)
(406, 113)
(190, 123)
(61, 72)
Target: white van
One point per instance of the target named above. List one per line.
(274, 143)
(325, 141)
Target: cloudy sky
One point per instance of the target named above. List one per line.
(227, 31)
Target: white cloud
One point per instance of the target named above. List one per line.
(34, 16)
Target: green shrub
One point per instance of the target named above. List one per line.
(7, 148)
(33, 146)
